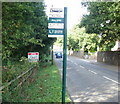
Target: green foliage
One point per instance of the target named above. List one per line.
(103, 19)
(14, 68)
(12, 93)
(59, 41)
(46, 87)
(24, 26)
(78, 38)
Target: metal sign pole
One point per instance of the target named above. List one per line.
(64, 57)
(52, 54)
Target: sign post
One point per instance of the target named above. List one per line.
(57, 27)
(64, 57)
(52, 53)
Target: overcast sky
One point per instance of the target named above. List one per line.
(75, 10)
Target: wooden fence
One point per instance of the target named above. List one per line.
(30, 71)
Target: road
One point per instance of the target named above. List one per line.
(89, 81)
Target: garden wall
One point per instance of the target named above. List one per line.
(78, 54)
(110, 57)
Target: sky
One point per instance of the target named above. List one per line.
(74, 10)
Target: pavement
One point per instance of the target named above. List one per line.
(105, 65)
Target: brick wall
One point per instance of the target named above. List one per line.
(78, 54)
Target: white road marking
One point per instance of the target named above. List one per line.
(96, 73)
(82, 66)
(68, 59)
(85, 60)
(92, 72)
(75, 63)
(110, 79)
(72, 62)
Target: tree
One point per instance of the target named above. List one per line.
(24, 26)
(79, 39)
(59, 42)
(103, 18)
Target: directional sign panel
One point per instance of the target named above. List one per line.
(55, 31)
(56, 15)
(53, 36)
(56, 25)
(56, 12)
(56, 20)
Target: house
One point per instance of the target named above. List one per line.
(117, 46)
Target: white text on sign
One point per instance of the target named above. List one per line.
(55, 32)
(56, 25)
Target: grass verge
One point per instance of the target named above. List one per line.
(47, 86)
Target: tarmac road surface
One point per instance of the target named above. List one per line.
(89, 81)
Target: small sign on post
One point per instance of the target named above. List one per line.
(33, 56)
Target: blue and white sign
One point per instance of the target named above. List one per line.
(56, 22)
(55, 31)
(56, 12)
